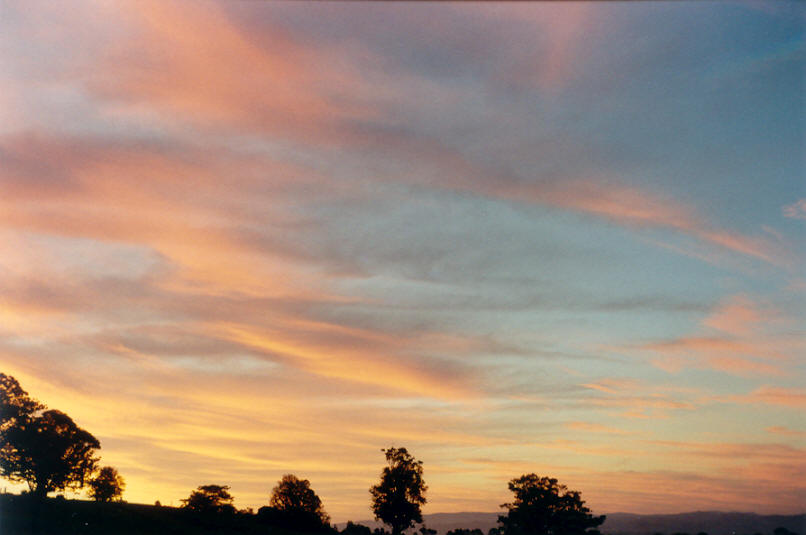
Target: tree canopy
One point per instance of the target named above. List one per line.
(15, 403)
(107, 485)
(43, 448)
(210, 499)
(542, 506)
(296, 495)
(294, 504)
(397, 499)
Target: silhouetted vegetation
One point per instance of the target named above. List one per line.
(356, 529)
(544, 507)
(210, 500)
(106, 485)
(397, 499)
(43, 448)
(294, 505)
(48, 451)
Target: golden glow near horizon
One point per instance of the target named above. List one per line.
(239, 240)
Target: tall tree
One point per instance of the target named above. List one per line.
(43, 448)
(107, 485)
(397, 499)
(542, 506)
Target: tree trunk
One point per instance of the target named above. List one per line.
(38, 495)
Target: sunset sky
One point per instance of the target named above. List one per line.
(244, 239)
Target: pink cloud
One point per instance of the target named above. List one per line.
(738, 316)
(740, 336)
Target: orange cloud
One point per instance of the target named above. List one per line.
(780, 430)
(773, 395)
(594, 428)
(207, 71)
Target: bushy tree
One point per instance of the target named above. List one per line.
(107, 485)
(296, 495)
(44, 449)
(544, 507)
(356, 529)
(397, 499)
(294, 504)
(210, 500)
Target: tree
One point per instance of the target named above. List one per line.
(396, 500)
(210, 499)
(355, 529)
(46, 450)
(544, 507)
(15, 403)
(294, 504)
(106, 485)
(294, 494)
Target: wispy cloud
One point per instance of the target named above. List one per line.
(773, 395)
(796, 210)
(291, 234)
(740, 336)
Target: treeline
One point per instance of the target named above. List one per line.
(45, 449)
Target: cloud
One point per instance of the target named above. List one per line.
(636, 400)
(781, 430)
(740, 336)
(773, 395)
(270, 244)
(594, 428)
(796, 210)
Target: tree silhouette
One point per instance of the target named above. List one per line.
(294, 494)
(106, 485)
(396, 500)
(48, 451)
(210, 499)
(355, 529)
(294, 504)
(544, 507)
(15, 403)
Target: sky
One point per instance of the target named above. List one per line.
(245, 239)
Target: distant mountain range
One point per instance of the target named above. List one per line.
(711, 522)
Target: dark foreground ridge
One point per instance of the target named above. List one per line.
(59, 516)
(710, 522)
